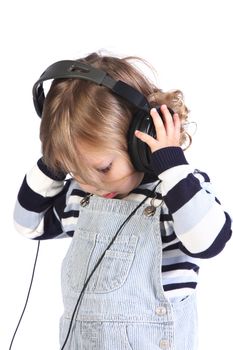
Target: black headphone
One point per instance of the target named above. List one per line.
(139, 151)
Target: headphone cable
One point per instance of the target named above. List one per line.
(28, 294)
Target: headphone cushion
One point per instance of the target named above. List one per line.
(139, 151)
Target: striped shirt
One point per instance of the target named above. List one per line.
(193, 223)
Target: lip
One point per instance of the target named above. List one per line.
(110, 195)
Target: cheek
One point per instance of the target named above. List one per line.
(124, 169)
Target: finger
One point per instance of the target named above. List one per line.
(168, 120)
(149, 140)
(158, 123)
(177, 125)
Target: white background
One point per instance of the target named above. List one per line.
(190, 45)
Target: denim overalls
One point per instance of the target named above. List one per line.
(124, 306)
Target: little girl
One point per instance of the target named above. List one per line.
(139, 215)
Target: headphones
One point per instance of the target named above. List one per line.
(139, 151)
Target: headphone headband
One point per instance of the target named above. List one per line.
(75, 69)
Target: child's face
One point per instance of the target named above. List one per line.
(117, 174)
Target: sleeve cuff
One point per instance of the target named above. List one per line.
(58, 176)
(166, 158)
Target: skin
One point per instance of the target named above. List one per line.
(119, 176)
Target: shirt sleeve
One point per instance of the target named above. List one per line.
(40, 203)
(200, 223)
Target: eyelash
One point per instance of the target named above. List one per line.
(106, 170)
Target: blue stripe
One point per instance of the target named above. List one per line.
(26, 218)
(31, 221)
(182, 258)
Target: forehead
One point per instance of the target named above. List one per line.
(95, 156)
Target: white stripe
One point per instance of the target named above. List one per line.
(179, 293)
(176, 274)
(201, 236)
(42, 184)
(168, 226)
(74, 199)
(173, 175)
(150, 186)
(29, 233)
(69, 221)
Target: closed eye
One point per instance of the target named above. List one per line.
(106, 169)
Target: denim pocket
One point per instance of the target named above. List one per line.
(95, 335)
(112, 272)
(83, 255)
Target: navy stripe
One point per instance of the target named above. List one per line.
(172, 286)
(58, 176)
(77, 192)
(167, 158)
(180, 266)
(165, 217)
(182, 193)
(71, 213)
(172, 247)
(52, 226)
(70, 233)
(169, 238)
(31, 200)
(149, 178)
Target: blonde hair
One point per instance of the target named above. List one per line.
(81, 111)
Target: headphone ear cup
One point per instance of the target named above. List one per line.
(139, 151)
(38, 99)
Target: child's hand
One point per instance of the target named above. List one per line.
(167, 130)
